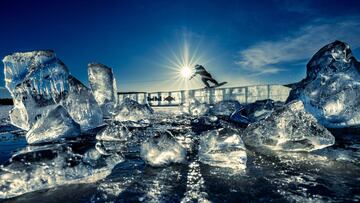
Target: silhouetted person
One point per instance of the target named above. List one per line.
(205, 76)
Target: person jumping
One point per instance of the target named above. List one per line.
(205, 76)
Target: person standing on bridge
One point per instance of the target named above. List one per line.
(205, 76)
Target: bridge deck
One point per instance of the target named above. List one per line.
(245, 94)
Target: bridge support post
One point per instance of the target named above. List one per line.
(246, 94)
(159, 98)
(182, 97)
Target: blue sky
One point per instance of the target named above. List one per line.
(242, 42)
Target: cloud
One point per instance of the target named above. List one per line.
(270, 57)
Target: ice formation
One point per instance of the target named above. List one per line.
(43, 167)
(223, 148)
(239, 117)
(195, 108)
(331, 88)
(103, 86)
(289, 128)
(261, 109)
(162, 149)
(82, 106)
(52, 126)
(130, 110)
(225, 108)
(115, 131)
(37, 81)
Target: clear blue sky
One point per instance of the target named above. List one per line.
(242, 42)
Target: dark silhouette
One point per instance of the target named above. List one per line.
(205, 76)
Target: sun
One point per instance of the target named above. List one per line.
(186, 72)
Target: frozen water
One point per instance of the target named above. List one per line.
(162, 149)
(238, 117)
(225, 108)
(331, 88)
(4, 112)
(115, 131)
(82, 106)
(195, 185)
(195, 108)
(329, 174)
(261, 109)
(52, 126)
(289, 128)
(36, 81)
(130, 110)
(38, 168)
(223, 148)
(103, 86)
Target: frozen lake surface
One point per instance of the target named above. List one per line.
(328, 175)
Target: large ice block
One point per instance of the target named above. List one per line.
(82, 106)
(161, 149)
(223, 148)
(52, 126)
(225, 108)
(103, 86)
(289, 128)
(115, 131)
(261, 109)
(130, 110)
(37, 81)
(42, 167)
(331, 89)
(195, 107)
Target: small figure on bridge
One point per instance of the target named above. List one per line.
(205, 77)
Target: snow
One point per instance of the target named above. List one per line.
(54, 125)
(289, 128)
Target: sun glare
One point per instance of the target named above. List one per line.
(186, 72)
(181, 61)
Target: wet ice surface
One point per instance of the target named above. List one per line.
(330, 174)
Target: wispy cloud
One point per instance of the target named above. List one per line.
(271, 56)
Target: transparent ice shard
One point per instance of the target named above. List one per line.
(331, 88)
(225, 108)
(289, 128)
(37, 81)
(42, 167)
(260, 109)
(52, 126)
(161, 149)
(223, 148)
(115, 131)
(130, 110)
(82, 106)
(195, 107)
(103, 86)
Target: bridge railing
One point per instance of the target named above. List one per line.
(245, 94)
